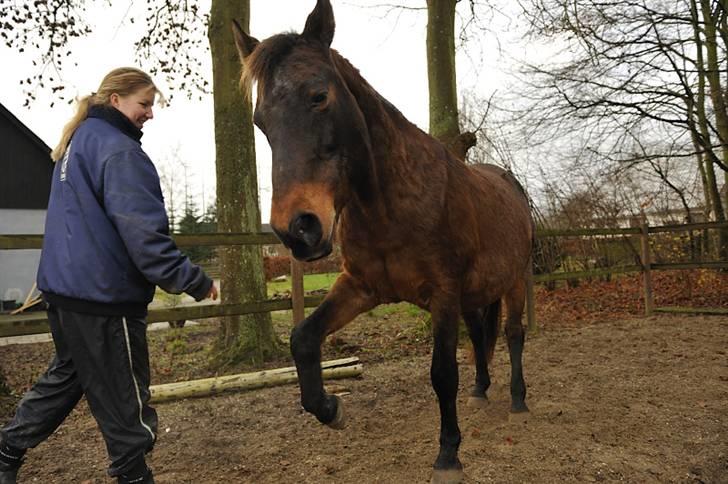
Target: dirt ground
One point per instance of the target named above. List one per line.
(639, 400)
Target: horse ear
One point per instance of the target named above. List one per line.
(244, 42)
(320, 23)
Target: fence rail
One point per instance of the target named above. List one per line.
(35, 241)
(37, 322)
(628, 230)
(34, 323)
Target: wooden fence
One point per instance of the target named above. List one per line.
(36, 322)
(645, 266)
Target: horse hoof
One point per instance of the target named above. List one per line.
(339, 421)
(447, 476)
(518, 417)
(478, 402)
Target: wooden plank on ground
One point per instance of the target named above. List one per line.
(343, 368)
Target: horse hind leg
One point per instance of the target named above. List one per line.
(515, 301)
(483, 329)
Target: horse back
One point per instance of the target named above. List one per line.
(488, 170)
(490, 220)
(489, 200)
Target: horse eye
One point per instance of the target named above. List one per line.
(319, 98)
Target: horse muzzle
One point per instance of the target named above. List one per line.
(305, 238)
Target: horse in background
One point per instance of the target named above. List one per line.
(414, 222)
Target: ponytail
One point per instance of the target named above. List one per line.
(83, 104)
(122, 81)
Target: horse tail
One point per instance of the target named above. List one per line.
(491, 322)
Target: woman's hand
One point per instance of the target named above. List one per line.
(213, 292)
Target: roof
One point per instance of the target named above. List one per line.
(23, 128)
(26, 165)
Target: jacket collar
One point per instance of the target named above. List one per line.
(117, 119)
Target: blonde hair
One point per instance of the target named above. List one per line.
(122, 81)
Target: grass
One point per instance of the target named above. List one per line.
(311, 282)
(316, 282)
(167, 299)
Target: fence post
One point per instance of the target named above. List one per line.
(646, 273)
(297, 290)
(530, 299)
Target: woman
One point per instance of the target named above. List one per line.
(106, 247)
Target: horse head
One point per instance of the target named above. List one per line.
(319, 139)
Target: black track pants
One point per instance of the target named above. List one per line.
(106, 359)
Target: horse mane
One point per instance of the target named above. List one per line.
(260, 64)
(351, 75)
(358, 85)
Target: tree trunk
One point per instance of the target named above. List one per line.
(702, 133)
(251, 337)
(711, 25)
(712, 74)
(442, 79)
(698, 112)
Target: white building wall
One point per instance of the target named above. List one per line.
(18, 268)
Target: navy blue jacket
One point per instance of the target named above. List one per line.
(107, 242)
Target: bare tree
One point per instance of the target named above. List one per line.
(631, 72)
(175, 184)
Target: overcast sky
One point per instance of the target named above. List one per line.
(387, 47)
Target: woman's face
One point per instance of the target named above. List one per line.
(137, 106)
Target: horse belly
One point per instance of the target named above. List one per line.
(494, 271)
(409, 280)
(484, 284)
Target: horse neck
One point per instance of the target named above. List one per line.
(384, 121)
(400, 149)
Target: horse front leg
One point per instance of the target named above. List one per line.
(346, 299)
(444, 374)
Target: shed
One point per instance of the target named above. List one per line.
(25, 184)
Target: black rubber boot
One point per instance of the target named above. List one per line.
(137, 476)
(10, 461)
(9, 477)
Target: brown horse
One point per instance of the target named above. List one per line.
(414, 222)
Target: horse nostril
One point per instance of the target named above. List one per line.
(307, 229)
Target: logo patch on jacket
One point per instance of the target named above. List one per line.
(64, 162)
